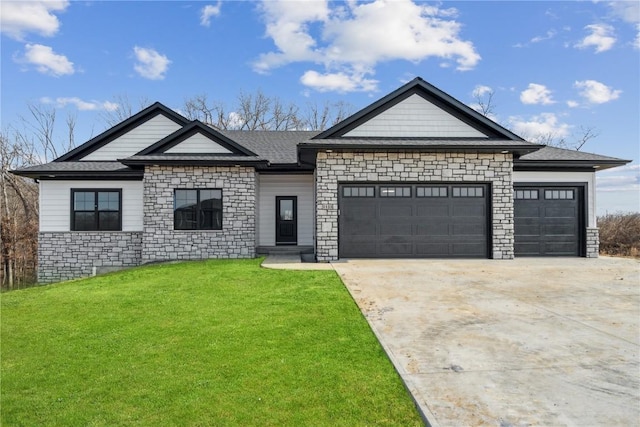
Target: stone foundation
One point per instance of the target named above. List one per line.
(73, 254)
(593, 242)
(342, 167)
(237, 239)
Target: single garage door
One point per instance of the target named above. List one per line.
(548, 220)
(413, 220)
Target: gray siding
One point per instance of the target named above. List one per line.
(271, 186)
(198, 144)
(55, 203)
(137, 139)
(415, 117)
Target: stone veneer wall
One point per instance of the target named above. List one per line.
(593, 242)
(71, 254)
(340, 167)
(237, 239)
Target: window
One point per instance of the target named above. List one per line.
(468, 192)
(431, 191)
(395, 191)
(197, 209)
(357, 191)
(526, 195)
(558, 194)
(96, 210)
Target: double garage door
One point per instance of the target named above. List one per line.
(413, 221)
(452, 220)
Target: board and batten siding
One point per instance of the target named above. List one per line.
(198, 144)
(55, 203)
(522, 177)
(270, 186)
(136, 140)
(415, 117)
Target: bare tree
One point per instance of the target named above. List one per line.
(125, 109)
(257, 111)
(19, 214)
(484, 101)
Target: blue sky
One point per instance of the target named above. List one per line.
(555, 68)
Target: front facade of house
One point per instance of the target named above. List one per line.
(416, 174)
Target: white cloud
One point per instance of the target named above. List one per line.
(350, 39)
(540, 128)
(209, 11)
(150, 64)
(628, 11)
(46, 60)
(338, 82)
(572, 104)
(636, 41)
(601, 38)
(536, 94)
(81, 105)
(595, 92)
(549, 35)
(481, 90)
(623, 178)
(18, 18)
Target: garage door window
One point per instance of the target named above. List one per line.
(468, 192)
(395, 191)
(358, 191)
(558, 194)
(526, 195)
(431, 191)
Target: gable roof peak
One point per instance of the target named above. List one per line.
(432, 94)
(123, 127)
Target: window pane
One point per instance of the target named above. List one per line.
(286, 210)
(108, 201)
(108, 221)
(346, 191)
(186, 198)
(84, 201)
(85, 221)
(456, 192)
(370, 192)
(185, 218)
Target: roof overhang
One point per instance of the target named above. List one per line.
(307, 150)
(132, 174)
(177, 160)
(572, 165)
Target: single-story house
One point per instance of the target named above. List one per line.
(415, 174)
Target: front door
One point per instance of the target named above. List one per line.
(286, 220)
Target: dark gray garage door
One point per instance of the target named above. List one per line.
(548, 221)
(411, 220)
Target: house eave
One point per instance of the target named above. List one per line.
(566, 165)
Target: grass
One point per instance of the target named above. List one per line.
(195, 344)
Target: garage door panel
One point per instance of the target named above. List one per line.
(395, 210)
(471, 228)
(396, 249)
(468, 210)
(437, 209)
(560, 212)
(402, 229)
(432, 250)
(435, 224)
(548, 226)
(434, 228)
(526, 209)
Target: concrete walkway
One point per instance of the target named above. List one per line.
(533, 341)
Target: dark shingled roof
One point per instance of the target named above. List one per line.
(277, 146)
(548, 153)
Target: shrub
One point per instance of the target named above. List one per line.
(620, 234)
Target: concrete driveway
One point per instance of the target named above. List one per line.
(533, 341)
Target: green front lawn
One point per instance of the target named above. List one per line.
(196, 343)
